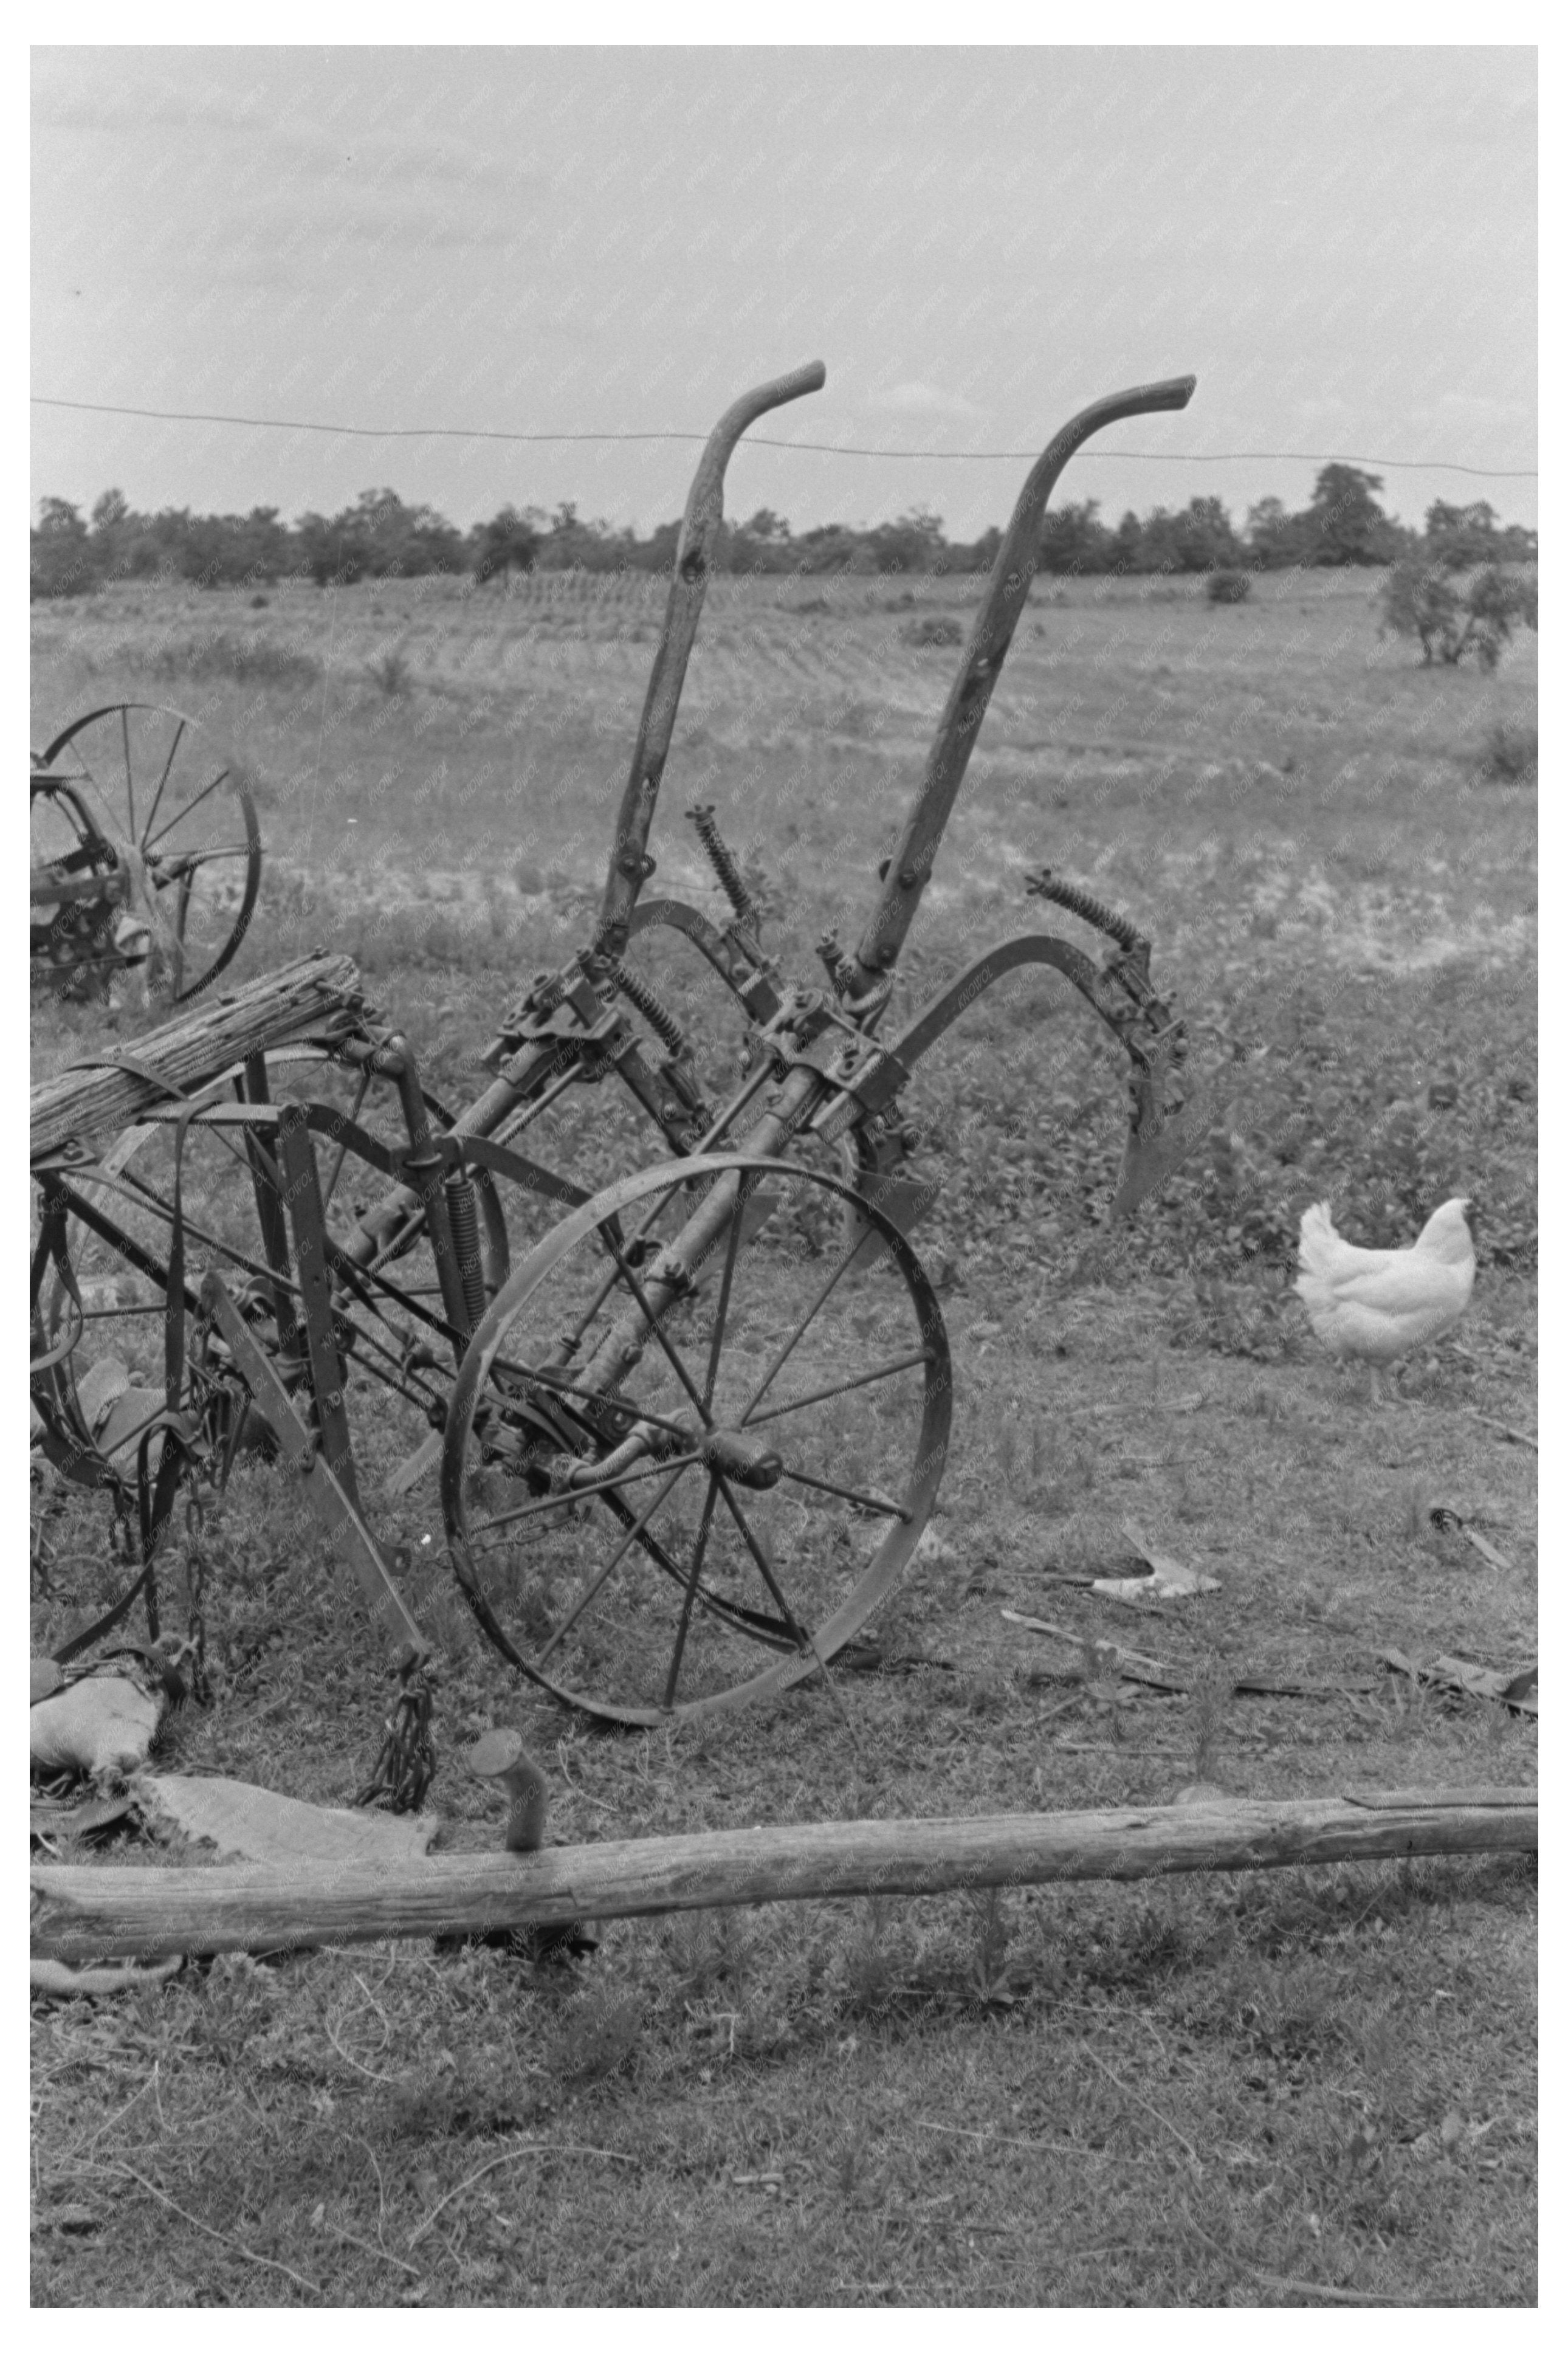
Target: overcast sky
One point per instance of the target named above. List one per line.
(1339, 243)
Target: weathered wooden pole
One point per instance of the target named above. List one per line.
(312, 997)
(87, 1911)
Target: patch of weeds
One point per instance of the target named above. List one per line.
(1191, 1500)
(986, 1694)
(252, 661)
(1208, 1709)
(932, 629)
(1513, 754)
(598, 2038)
(1415, 1524)
(872, 1967)
(707, 1950)
(1092, 1545)
(1041, 1467)
(994, 1935)
(1132, 1951)
(849, 2171)
(1064, 1473)
(1228, 588)
(1230, 1317)
(1103, 1691)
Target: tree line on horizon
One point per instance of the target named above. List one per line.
(382, 537)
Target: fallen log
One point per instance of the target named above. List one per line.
(86, 1911)
(316, 997)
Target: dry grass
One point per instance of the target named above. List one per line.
(1249, 2090)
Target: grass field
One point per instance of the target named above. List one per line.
(1245, 2090)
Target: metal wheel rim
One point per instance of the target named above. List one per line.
(239, 792)
(875, 1581)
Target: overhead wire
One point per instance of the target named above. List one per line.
(766, 442)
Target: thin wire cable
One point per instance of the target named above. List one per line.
(765, 441)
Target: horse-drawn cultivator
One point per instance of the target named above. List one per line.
(687, 1429)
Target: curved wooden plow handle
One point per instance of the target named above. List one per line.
(704, 513)
(908, 868)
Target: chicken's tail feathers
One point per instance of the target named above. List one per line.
(1318, 1231)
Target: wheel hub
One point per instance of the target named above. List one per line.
(745, 1459)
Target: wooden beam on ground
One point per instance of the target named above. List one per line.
(84, 1912)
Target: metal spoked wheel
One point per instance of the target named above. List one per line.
(397, 1348)
(656, 1519)
(136, 777)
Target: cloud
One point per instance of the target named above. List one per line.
(299, 234)
(126, 111)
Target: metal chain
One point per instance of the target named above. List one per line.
(195, 1644)
(407, 1763)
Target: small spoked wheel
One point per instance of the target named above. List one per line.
(696, 1439)
(138, 777)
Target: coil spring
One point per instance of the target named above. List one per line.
(654, 1012)
(721, 858)
(1082, 902)
(840, 971)
(463, 1211)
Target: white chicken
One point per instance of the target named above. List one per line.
(1377, 1303)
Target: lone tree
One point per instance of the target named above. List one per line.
(508, 543)
(1344, 524)
(61, 561)
(1423, 598)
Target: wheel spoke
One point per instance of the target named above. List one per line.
(181, 813)
(758, 1551)
(558, 1386)
(750, 1420)
(628, 1540)
(610, 1281)
(164, 778)
(721, 1313)
(785, 1354)
(181, 865)
(616, 1481)
(424, 1394)
(331, 1186)
(857, 1495)
(684, 1627)
(640, 1295)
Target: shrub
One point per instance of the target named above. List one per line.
(62, 562)
(1513, 753)
(1229, 587)
(1421, 599)
(932, 629)
(250, 661)
(392, 674)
